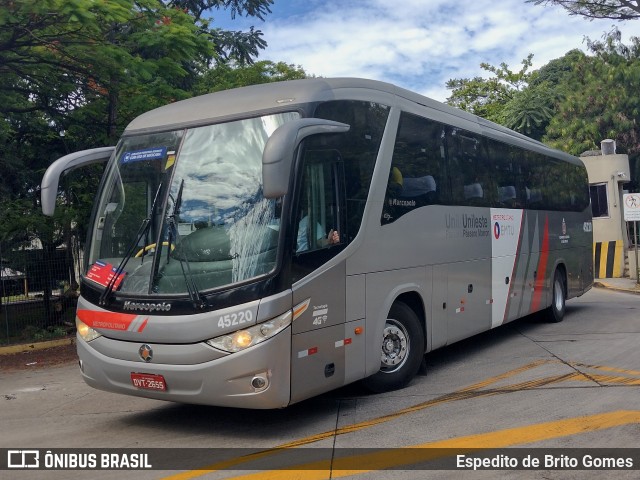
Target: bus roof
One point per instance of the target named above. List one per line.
(256, 99)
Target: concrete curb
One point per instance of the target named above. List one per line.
(608, 286)
(29, 347)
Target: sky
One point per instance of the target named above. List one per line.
(418, 44)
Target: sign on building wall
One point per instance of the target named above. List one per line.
(631, 204)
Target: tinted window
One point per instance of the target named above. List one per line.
(358, 149)
(599, 204)
(469, 170)
(551, 184)
(579, 193)
(319, 205)
(508, 166)
(435, 163)
(417, 175)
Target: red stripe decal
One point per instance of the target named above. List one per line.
(144, 324)
(542, 269)
(106, 320)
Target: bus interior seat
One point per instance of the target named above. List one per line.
(534, 197)
(473, 190)
(413, 187)
(508, 197)
(425, 188)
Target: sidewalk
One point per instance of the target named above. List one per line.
(618, 284)
(34, 346)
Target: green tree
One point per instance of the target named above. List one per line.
(226, 76)
(530, 110)
(59, 55)
(487, 97)
(611, 9)
(601, 100)
(76, 72)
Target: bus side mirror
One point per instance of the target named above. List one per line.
(49, 185)
(277, 157)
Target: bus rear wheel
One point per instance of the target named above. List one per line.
(401, 351)
(555, 313)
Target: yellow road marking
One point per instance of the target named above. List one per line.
(472, 391)
(394, 458)
(606, 369)
(618, 380)
(511, 373)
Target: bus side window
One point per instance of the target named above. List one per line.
(535, 184)
(319, 214)
(505, 163)
(469, 169)
(358, 149)
(319, 219)
(416, 169)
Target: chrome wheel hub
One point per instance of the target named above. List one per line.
(395, 346)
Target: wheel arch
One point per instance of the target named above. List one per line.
(407, 329)
(555, 312)
(561, 267)
(383, 290)
(415, 302)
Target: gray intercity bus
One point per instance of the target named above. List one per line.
(259, 246)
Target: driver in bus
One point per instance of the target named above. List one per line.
(302, 244)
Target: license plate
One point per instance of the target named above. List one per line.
(148, 381)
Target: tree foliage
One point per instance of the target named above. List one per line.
(602, 100)
(611, 9)
(227, 76)
(531, 109)
(59, 55)
(75, 72)
(572, 103)
(486, 97)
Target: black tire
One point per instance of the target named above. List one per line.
(555, 313)
(402, 350)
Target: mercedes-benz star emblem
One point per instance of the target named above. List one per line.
(145, 353)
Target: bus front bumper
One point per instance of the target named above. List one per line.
(258, 377)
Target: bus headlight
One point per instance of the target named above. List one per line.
(237, 341)
(85, 331)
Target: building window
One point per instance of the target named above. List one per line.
(599, 200)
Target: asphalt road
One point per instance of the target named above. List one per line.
(524, 387)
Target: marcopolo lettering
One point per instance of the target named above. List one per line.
(394, 202)
(147, 307)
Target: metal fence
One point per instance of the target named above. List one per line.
(38, 293)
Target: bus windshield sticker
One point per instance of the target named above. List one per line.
(102, 273)
(156, 153)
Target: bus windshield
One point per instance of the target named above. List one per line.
(183, 211)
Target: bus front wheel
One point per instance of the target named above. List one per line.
(557, 309)
(401, 351)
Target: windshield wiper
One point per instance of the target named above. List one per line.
(194, 294)
(142, 230)
(189, 280)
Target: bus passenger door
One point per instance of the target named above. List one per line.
(326, 352)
